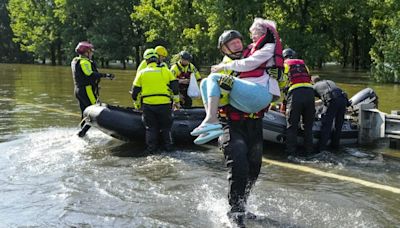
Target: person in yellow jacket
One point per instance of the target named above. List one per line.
(182, 71)
(300, 103)
(86, 79)
(162, 56)
(154, 84)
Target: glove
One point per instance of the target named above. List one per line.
(274, 72)
(109, 76)
(226, 82)
(137, 105)
(176, 106)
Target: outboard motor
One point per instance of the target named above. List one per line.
(365, 96)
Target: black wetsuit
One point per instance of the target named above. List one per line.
(85, 86)
(242, 144)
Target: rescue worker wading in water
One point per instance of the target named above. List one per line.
(252, 89)
(155, 84)
(86, 79)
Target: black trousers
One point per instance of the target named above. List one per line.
(187, 101)
(335, 112)
(84, 102)
(157, 120)
(242, 144)
(300, 103)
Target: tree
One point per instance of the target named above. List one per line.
(9, 51)
(385, 51)
(107, 24)
(36, 28)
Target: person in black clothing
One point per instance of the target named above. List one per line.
(336, 102)
(242, 139)
(86, 79)
(300, 104)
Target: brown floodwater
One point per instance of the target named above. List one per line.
(51, 178)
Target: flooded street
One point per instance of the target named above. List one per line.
(49, 177)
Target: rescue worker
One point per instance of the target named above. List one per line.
(162, 56)
(336, 102)
(182, 71)
(155, 84)
(299, 103)
(86, 79)
(242, 138)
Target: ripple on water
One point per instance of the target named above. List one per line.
(53, 178)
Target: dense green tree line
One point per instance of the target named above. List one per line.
(9, 50)
(361, 34)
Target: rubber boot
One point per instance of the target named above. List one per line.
(83, 130)
(236, 219)
(249, 186)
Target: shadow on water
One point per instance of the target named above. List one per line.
(138, 149)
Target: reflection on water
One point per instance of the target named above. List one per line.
(51, 178)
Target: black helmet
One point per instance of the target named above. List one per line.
(288, 53)
(227, 36)
(185, 55)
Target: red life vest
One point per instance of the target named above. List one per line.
(233, 114)
(278, 58)
(184, 75)
(298, 72)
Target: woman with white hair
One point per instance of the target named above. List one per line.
(253, 90)
(250, 94)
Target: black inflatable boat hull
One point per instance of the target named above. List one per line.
(274, 125)
(126, 123)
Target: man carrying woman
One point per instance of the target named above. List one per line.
(249, 95)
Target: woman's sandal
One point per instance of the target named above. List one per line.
(205, 127)
(208, 136)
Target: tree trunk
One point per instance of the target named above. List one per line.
(59, 52)
(320, 62)
(53, 54)
(356, 51)
(345, 52)
(123, 64)
(137, 55)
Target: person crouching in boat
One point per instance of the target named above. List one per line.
(86, 79)
(336, 101)
(154, 83)
(250, 88)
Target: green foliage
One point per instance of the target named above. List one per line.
(34, 26)
(356, 33)
(9, 50)
(385, 51)
(107, 24)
